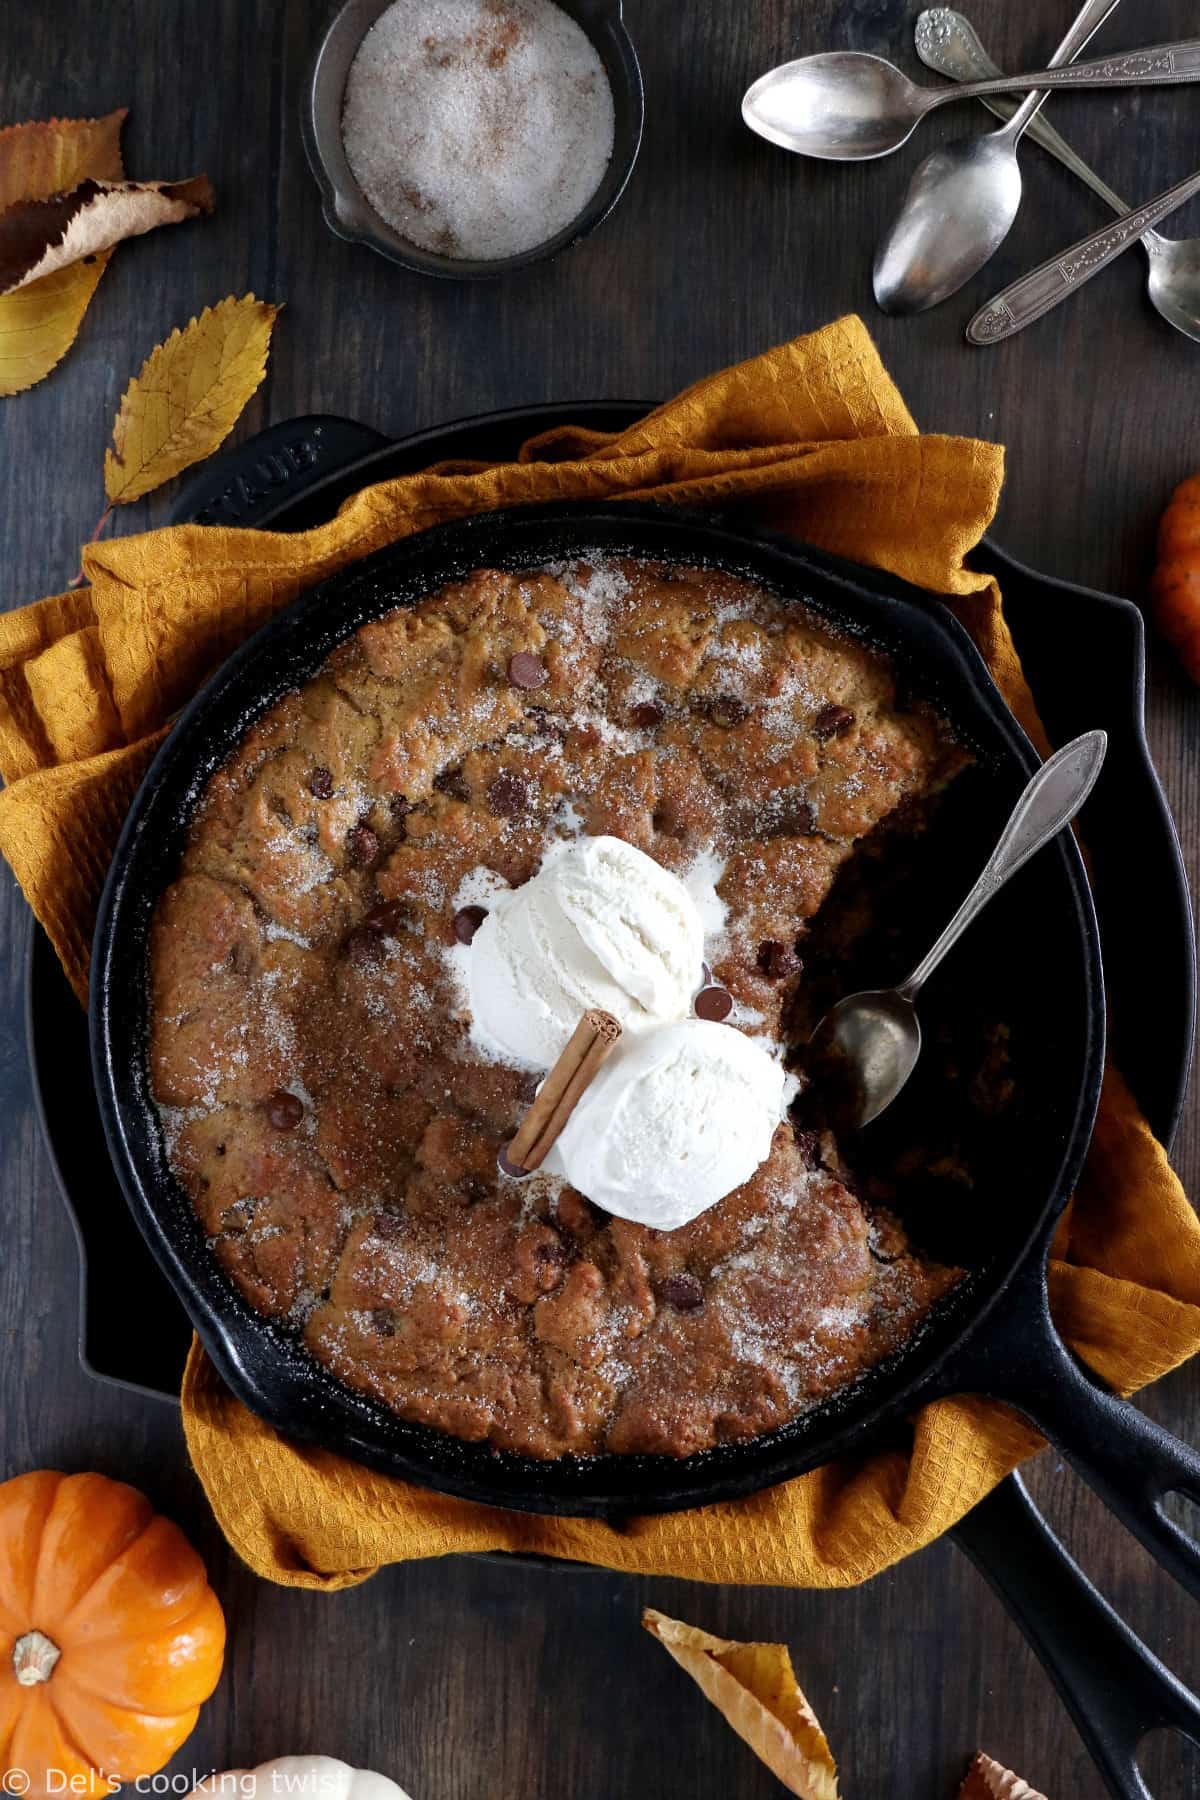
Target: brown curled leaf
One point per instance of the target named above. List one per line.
(38, 237)
(754, 1688)
(187, 396)
(51, 156)
(989, 1780)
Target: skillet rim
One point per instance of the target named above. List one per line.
(265, 1366)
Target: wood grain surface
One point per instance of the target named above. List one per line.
(467, 1679)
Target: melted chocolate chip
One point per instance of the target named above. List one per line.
(832, 721)
(387, 1225)
(453, 782)
(647, 714)
(383, 1322)
(364, 946)
(727, 709)
(787, 816)
(285, 1110)
(362, 845)
(475, 1189)
(713, 1003)
(387, 918)
(467, 921)
(683, 1291)
(399, 807)
(777, 961)
(527, 671)
(320, 783)
(508, 795)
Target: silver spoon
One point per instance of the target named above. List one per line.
(949, 44)
(848, 106)
(870, 1042)
(963, 199)
(1060, 276)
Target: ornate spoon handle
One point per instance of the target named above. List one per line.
(1158, 66)
(1050, 800)
(949, 44)
(1049, 284)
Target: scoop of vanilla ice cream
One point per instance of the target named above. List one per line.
(675, 1120)
(599, 925)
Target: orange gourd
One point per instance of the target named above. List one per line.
(1175, 591)
(110, 1636)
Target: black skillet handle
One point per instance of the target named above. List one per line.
(1132, 1463)
(241, 485)
(1115, 1689)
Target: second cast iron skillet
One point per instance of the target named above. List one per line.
(1033, 961)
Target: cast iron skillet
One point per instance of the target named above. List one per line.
(1035, 957)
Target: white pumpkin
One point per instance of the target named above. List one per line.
(302, 1778)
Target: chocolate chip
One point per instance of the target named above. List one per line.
(527, 671)
(832, 721)
(399, 807)
(647, 714)
(383, 1322)
(475, 1189)
(513, 1170)
(727, 709)
(777, 961)
(467, 921)
(364, 946)
(453, 782)
(362, 845)
(508, 795)
(285, 1110)
(387, 918)
(683, 1291)
(320, 783)
(713, 1003)
(785, 815)
(556, 1252)
(387, 1225)
(808, 1143)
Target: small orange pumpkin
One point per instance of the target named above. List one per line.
(110, 1636)
(1175, 590)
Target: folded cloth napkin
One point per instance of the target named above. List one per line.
(811, 438)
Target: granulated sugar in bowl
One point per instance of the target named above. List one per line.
(478, 129)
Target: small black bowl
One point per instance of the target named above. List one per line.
(348, 212)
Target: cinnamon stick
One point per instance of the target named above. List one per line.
(563, 1088)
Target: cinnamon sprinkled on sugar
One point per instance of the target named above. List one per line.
(477, 129)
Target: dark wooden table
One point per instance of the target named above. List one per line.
(461, 1678)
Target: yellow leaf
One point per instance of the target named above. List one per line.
(988, 1780)
(188, 395)
(39, 236)
(754, 1688)
(48, 156)
(38, 323)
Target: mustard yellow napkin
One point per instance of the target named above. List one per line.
(811, 438)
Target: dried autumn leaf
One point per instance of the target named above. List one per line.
(988, 1780)
(39, 236)
(188, 395)
(49, 156)
(754, 1688)
(39, 324)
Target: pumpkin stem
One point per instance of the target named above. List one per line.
(34, 1657)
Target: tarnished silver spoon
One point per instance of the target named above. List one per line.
(868, 1044)
(949, 43)
(963, 199)
(849, 106)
